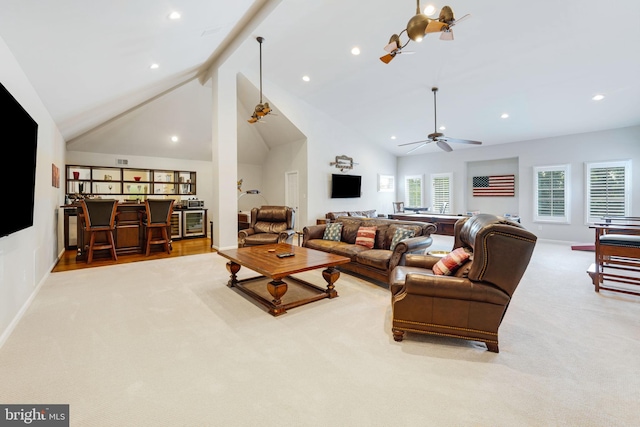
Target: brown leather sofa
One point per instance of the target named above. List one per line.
(471, 303)
(377, 262)
(269, 224)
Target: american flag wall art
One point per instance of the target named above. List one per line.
(494, 185)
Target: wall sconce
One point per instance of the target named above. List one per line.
(343, 162)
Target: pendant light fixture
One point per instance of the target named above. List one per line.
(262, 109)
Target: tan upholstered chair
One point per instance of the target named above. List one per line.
(269, 224)
(470, 303)
(99, 216)
(157, 223)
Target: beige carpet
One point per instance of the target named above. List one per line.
(167, 343)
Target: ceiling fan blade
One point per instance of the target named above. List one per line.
(463, 141)
(415, 148)
(391, 47)
(414, 142)
(446, 35)
(460, 20)
(443, 145)
(434, 26)
(387, 58)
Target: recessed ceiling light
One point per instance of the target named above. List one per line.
(442, 128)
(598, 97)
(174, 138)
(174, 15)
(504, 116)
(306, 78)
(429, 10)
(153, 66)
(393, 137)
(355, 51)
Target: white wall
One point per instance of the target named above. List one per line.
(251, 176)
(495, 205)
(616, 144)
(27, 256)
(327, 139)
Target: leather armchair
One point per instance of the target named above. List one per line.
(471, 303)
(269, 224)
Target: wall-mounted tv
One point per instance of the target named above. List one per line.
(345, 186)
(24, 143)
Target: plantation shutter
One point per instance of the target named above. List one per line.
(551, 193)
(440, 193)
(607, 186)
(413, 191)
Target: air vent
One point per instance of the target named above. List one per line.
(120, 162)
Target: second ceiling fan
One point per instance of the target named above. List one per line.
(437, 137)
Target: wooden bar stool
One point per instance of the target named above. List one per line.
(100, 217)
(158, 217)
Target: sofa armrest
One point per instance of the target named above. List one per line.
(412, 245)
(246, 232)
(312, 232)
(285, 235)
(422, 261)
(451, 287)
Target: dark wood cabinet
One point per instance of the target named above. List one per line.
(129, 234)
(132, 182)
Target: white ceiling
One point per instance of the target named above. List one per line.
(541, 62)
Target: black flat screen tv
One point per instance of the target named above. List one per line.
(24, 143)
(345, 186)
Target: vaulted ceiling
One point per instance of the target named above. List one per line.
(540, 62)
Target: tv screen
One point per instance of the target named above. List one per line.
(18, 122)
(345, 186)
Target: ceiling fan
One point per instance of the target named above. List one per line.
(437, 137)
(420, 25)
(263, 108)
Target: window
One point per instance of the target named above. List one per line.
(386, 183)
(413, 191)
(551, 193)
(441, 189)
(608, 189)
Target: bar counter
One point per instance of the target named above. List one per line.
(129, 233)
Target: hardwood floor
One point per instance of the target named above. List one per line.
(180, 248)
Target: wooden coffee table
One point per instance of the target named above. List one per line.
(264, 260)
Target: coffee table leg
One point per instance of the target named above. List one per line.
(233, 268)
(331, 274)
(277, 289)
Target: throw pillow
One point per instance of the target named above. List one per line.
(399, 235)
(366, 236)
(333, 231)
(451, 262)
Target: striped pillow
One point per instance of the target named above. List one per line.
(366, 236)
(450, 263)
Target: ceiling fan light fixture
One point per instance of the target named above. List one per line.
(417, 26)
(262, 109)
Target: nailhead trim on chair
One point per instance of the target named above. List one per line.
(448, 335)
(484, 247)
(446, 327)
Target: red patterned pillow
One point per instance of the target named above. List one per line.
(451, 262)
(366, 236)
